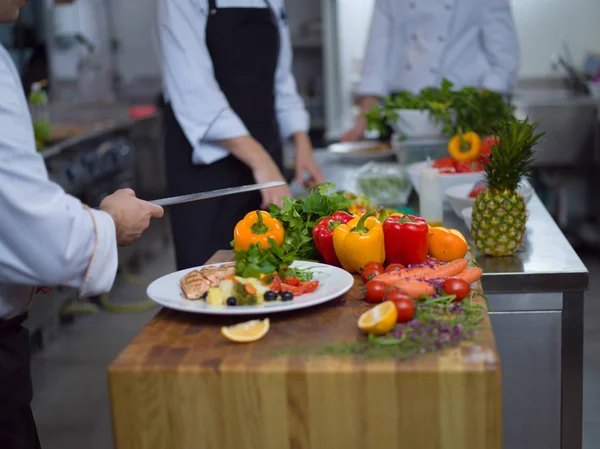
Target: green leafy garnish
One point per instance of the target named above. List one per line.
(439, 323)
(257, 261)
(299, 217)
(458, 111)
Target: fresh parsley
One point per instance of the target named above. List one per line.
(458, 111)
(257, 261)
(299, 216)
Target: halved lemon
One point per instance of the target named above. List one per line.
(379, 320)
(246, 332)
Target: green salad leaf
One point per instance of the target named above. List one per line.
(299, 216)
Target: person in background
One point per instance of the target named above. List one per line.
(416, 43)
(46, 238)
(231, 99)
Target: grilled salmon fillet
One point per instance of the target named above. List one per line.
(197, 282)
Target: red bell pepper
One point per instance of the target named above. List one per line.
(406, 239)
(323, 236)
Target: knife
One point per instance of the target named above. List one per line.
(215, 193)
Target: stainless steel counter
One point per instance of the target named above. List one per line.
(537, 300)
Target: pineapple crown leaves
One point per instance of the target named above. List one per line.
(512, 155)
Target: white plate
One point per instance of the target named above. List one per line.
(333, 283)
(360, 150)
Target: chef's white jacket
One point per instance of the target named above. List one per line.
(47, 237)
(190, 85)
(416, 43)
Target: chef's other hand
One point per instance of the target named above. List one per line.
(130, 214)
(305, 162)
(357, 132)
(264, 169)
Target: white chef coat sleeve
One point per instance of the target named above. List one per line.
(501, 43)
(374, 66)
(47, 237)
(199, 105)
(290, 109)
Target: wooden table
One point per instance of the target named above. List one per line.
(181, 385)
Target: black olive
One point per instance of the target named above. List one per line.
(287, 296)
(270, 295)
(231, 301)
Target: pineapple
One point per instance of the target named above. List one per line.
(499, 213)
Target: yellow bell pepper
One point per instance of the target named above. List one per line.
(359, 241)
(465, 147)
(257, 227)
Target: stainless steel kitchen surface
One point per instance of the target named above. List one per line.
(570, 121)
(537, 302)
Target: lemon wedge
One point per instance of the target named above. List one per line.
(380, 319)
(246, 332)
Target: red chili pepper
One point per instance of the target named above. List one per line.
(323, 236)
(406, 239)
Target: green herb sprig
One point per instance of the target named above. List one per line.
(299, 217)
(457, 111)
(439, 323)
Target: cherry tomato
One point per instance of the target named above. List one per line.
(468, 167)
(444, 162)
(404, 305)
(458, 287)
(369, 273)
(375, 291)
(394, 267)
(373, 264)
(479, 187)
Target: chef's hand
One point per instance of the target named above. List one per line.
(305, 162)
(357, 132)
(264, 169)
(130, 214)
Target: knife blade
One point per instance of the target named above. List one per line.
(215, 193)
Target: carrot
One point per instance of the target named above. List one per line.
(427, 272)
(415, 289)
(470, 275)
(250, 289)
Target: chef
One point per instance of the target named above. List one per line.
(416, 43)
(231, 99)
(46, 238)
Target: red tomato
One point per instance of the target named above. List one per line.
(468, 167)
(309, 286)
(445, 162)
(458, 287)
(479, 187)
(373, 264)
(446, 170)
(370, 272)
(404, 305)
(394, 267)
(487, 144)
(375, 291)
(289, 280)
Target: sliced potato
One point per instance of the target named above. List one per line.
(215, 297)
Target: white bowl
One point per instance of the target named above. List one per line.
(448, 179)
(413, 123)
(459, 199)
(466, 216)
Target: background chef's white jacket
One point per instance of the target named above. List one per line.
(416, 43)
(189, 83)
(47, 237)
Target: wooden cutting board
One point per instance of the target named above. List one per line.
(181, 385)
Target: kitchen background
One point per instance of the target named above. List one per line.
(100, 57)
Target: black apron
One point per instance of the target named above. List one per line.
(244, 47)
(17, 427)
